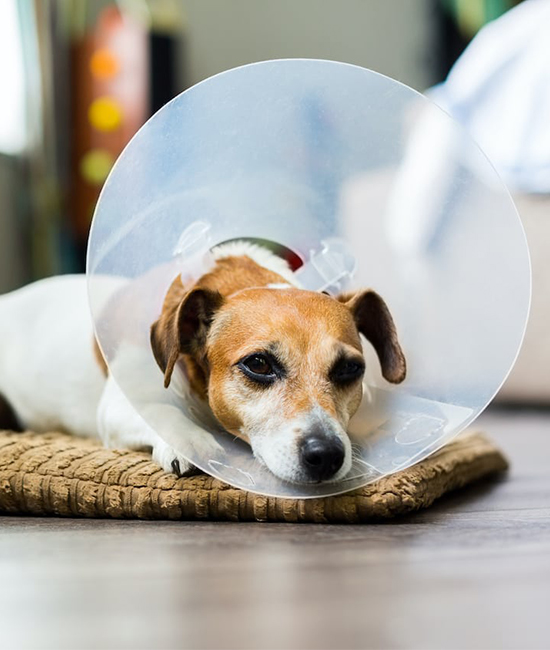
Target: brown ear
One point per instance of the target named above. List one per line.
(183, 329)
(373, 319)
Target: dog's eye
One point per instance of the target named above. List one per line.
(258, 364)
(259, 368)
(347, 371)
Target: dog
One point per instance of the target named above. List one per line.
(278, 366)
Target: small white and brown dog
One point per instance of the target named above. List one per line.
(279, 366)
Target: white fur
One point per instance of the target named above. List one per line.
(48, 371)
(124, 424)
(258, 254)
(279, 285)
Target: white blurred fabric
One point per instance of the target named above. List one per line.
(499, 89)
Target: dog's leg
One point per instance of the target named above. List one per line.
(119, 425)
(171, 460)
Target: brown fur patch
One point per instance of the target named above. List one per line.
(230, 274)
(374, 320)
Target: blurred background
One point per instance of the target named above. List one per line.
(81, 76)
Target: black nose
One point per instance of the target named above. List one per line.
(321, 456)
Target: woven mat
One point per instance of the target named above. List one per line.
(56, 474)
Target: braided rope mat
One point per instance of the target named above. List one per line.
(56, 474)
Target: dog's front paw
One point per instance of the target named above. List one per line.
(184, 468)
(171, 461)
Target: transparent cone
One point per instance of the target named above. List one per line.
(371, 185)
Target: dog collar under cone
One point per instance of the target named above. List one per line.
(369, 185)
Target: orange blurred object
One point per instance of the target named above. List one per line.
(104, 64)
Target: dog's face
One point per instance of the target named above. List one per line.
(283, 369)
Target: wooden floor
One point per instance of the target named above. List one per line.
(471, 572)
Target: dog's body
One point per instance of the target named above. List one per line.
(48, 370)
(279, 366)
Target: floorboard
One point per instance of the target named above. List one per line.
(473, 571)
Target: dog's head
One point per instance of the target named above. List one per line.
(281, 368)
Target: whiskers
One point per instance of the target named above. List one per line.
(356, 452)
(359, 466)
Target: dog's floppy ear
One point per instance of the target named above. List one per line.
(373, 319)
(183, 329)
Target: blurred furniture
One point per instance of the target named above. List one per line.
(13, 260)
(108, 103)
(78, 86)
(529, 381)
